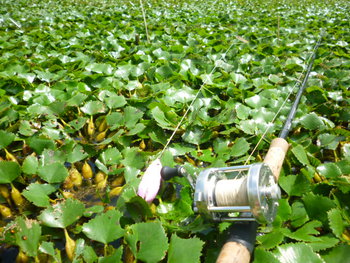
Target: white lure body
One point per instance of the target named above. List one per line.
(150, 182)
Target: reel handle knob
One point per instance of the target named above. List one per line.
(275, 156)
(168, 172)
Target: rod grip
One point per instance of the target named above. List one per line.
(275, 156)
(234, 252)
(240, 244)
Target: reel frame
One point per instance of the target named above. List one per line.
(262, 192)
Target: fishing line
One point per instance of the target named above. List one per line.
(144, 20)
(297, 83)
(206, 80)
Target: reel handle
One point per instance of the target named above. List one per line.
(275, 156)
(239, 247)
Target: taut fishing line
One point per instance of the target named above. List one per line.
(297, 83)
(196, 96)
(144, 20)
(150, 182)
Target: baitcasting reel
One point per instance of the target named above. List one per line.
(239, 193)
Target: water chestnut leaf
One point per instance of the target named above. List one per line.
(6, 138)
(105, 227)
(62, 214)
(30, 165)
(337, 254)
(306, 233)
(239, 148)
(298, 252)
(93, 107)
(38, 144)
(257, 101)
(262, 255)
(28, 233)
(116, 256)
(317, 206)
(196, 135)
(160, 117)
(53, 172)
(336, 222)
(299, 215)
(38, 194)
(300, 153)
(329, 170)
(110, 156)
(100, 68)
(147, 241)
(312, 122)
(295, 185)
(131, 116)
(76, 154)
(323, 242)
(9, 171)
(272, 239)
(184, 250)
(93, 209)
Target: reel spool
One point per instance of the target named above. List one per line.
(238, 193)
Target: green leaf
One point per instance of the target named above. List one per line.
(196, 135)
(30, 165)
(257, 101)
(300, 153)
(284, 210)
(242, 111)
(116, 256)
(53, 173)
(312, 122)
(240, 147)
(76, 154)
(47, 248)
(298, 252)
(295, 185)
(115, 120)
(38, 144)
(184, 250)
(6, 138)
(132, 116)
(161, 119)
(338, 254)
(38, 194)
(299, 215)
(110, 156)
(147, 241)
(9, 171)
(100, 68)
(336, 222)
(93, 107)
(133, 158)
(89, 255)
(93, 209)
(272, 239)
(317, 206)
(28, 233)
(104, 228)
(62, 214)
(323, 242)
(115, 101)
(329, 141)
(329, 170)
(307, 232)
(262, 255)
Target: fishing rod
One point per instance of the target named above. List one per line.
(246, 194)
(240, 244)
